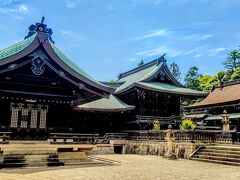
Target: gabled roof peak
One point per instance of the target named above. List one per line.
(40, 27)
(144, 66)
(225, 83)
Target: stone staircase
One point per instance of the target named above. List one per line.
(44, 154)
(222, 154)
(29, 154)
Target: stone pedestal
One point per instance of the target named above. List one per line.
(170, 139)
(225, 121)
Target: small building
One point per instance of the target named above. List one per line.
(223, 98)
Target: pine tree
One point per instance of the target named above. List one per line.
(233, 60)
(191, 78)
(175, 71)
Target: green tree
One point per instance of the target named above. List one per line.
(156, 125)
(113, 81)
(227, 76)
(187, 124)
(205, 82)
(191, 78)
(236, 74)
(141, 63)
(233, 60)
(175, 71)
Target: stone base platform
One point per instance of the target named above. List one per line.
(42, 153)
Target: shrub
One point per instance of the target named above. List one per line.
(156, 125)
(187, 124)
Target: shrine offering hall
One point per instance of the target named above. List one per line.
(43, 91)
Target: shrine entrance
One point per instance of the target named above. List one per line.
(28, 121)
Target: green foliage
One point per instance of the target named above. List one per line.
(156, 125)
(175, 71)
(206, 82)
(113, 81)
(233, 60)
(187, 124)
(141, 63)
(191, 78)
(236, 74)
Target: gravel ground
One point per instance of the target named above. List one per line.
(132, 167)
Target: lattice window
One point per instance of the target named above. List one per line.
(43, 115)
(33, 123)
(14, 117)
(24, 118)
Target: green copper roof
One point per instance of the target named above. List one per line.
(14, 49)
(219, 116)
(106, 104)
(137, 77)
(70, 63)
(164, 87)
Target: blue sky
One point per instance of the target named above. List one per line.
(107, 37)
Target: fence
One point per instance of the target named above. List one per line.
(209, 136)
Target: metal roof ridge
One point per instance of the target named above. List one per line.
(144, 66)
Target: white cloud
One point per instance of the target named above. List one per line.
(23, 9)
(197, 49)
(197, 37)
(197, 55)
(73, 35)
(149, 34)
(134, 59)
(215, 51)
(159, 51)
(154, 33)
(20, 9)
(70, 4)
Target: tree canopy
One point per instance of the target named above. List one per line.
(233, 60)
(191, 78)
(175, 71)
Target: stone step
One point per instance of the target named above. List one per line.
(228, 155)
(220, 151)
(28, 142)
(219, 158)
(217, 161)
(227, 148)
(37, 164)
(28, 152)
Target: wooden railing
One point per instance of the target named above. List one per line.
(112, 136)
(204, 136)
(74, 138)
(163, 120)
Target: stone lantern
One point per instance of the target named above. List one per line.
(170, 139)
(225, 121)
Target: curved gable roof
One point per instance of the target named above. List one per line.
(33, 41)
(143, 77)
(16, 48)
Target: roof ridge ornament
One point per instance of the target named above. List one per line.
(40, 27)
(162, 59)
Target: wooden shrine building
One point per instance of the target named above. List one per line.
(40, 86)
(224, 98)
(42, 91)
(152, 90)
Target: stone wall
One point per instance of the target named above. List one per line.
(182, 150)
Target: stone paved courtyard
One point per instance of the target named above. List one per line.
(132, 167)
